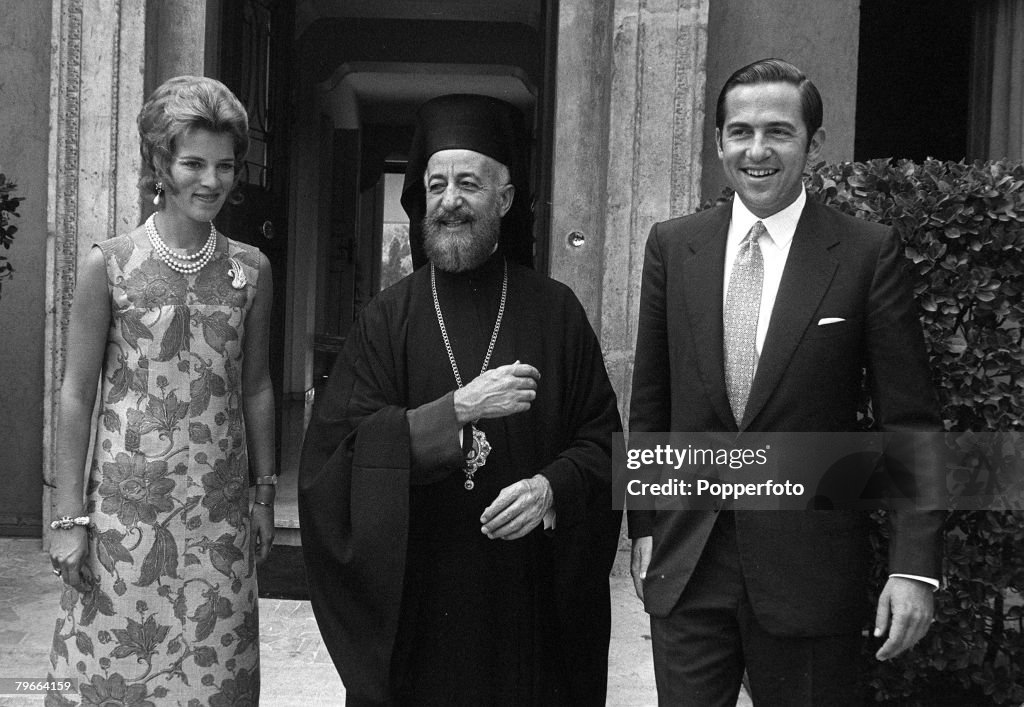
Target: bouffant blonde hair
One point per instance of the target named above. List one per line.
(179, 105)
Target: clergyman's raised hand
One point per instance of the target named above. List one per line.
(497, 392)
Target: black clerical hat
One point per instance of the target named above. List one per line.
(483, 124)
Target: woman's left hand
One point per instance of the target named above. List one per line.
(262, 535)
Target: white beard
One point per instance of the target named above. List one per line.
(462, 250)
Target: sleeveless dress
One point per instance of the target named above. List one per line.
(171, 618)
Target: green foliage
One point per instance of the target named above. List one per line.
(962, 226)
(8, 207)
(963, 229)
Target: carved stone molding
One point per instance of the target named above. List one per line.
(62, 236)
(689, 109)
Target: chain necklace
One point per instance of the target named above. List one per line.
(184, 264)
(476, 457)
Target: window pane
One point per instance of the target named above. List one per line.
(395, 257)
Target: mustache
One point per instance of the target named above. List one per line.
(457, 214)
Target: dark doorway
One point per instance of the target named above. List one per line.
(913, 79)
(374, 68)
(254, 62)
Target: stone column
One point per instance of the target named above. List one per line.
(98, 59)
(175, 39)
(629, 118)
(580, 156)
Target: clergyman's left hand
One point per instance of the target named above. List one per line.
(905, 610)
(518, 509)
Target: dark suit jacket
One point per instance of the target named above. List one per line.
(806, 572)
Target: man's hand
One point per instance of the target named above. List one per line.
(638, 562)
(518, 509)
(497, 392)
(905, 610)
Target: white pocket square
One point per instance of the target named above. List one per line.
(830, 320)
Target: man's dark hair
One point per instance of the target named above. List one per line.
(775, 71)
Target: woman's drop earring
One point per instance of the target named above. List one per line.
(159, 186)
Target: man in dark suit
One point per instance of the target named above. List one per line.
(772, 314)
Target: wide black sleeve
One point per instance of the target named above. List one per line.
(580, 474)
(434, 436)
(353, 507)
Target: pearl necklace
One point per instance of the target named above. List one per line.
(185, 264)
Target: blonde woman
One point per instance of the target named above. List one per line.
(158, 552)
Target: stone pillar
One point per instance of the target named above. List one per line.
(176, 40)
(630, 111)
(580, 157)
(98, 60)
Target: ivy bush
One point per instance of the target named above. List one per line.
(962, 227)
(8, 207)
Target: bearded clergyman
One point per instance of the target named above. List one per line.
(455, 481)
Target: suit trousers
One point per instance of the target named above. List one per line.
(712, 635)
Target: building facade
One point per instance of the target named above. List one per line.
(620, 94)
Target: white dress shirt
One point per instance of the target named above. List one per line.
(774, 250)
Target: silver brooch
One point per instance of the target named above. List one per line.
(238, 278)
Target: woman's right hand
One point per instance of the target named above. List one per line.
(68, 550)
(87, 337)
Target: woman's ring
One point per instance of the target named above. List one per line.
(56, 572)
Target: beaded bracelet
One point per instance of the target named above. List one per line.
(269, 479)
(67, 522)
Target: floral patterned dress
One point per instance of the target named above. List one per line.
(171, 618)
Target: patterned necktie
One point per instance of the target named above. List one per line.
(742, 307)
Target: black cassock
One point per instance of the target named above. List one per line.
(414, 603)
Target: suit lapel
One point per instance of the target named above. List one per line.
(809, 270)
(702, 298)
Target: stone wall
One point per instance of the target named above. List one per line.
(822, 38)
(629, 116)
